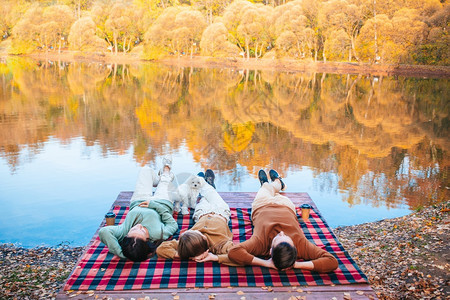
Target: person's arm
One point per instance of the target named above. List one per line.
(305, 265)
(268, 263)
(110, 236)
(168, 250)
(158, 207)
(170, 226)
(321, 260)
(244, 253)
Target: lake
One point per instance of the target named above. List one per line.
(74, 135)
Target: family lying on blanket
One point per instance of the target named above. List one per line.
(276, 231)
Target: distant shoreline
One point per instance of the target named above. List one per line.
(283, 65)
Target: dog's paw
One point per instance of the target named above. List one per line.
(184, 210)
(176, 207)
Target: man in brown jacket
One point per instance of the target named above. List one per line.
(276, 233)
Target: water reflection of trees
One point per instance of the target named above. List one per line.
(384, 138)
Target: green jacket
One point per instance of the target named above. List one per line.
(157, 218)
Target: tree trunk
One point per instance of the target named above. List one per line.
(192, 49)
(124, 45)
(79, 9)
(315, 52)
(375, 29)
(352, 39)
(247, 48)
(115, 44)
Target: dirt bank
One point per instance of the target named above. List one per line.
(404, 258)
(285, 65)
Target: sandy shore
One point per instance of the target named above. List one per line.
(404, 258)
(282, 65)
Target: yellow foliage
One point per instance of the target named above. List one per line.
(149, 116)
(239, 137)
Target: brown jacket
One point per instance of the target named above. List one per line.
(268, 221)
(218, 234)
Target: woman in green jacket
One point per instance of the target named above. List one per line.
(149, 220)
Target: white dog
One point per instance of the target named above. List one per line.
(187, 194)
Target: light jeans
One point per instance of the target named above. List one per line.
(211, 202)
(269, 194)
(147, 179)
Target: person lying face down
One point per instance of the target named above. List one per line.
(149, 220)
(276, 233)
(210, 238)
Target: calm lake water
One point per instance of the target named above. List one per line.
(73, 135)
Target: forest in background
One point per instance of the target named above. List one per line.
(364, 31)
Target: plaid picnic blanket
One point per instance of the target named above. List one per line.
(100, 270)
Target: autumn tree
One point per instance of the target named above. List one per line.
(82, 36)
(397, 37)
(249, 26)
(215, 42)
(42, 27)
(335, 15)
(435, 48)
(310, 9)
(122, 24)
(177, 30)
(58, 20)
(10, 13)
(78, 5)
(294, 37)
(211, 8)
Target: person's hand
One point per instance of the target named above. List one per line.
(270, 264)
(208, 257)
(144, 204)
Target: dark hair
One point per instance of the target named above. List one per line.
(136, 249)
(284, 255)
(191, 244)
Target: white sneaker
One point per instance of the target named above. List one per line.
(166, 162)
(167, 175)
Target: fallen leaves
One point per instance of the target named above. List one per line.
(404, 258)
(36, 273)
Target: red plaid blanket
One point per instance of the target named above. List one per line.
(100, 270)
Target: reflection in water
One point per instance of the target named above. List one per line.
(384, 138)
